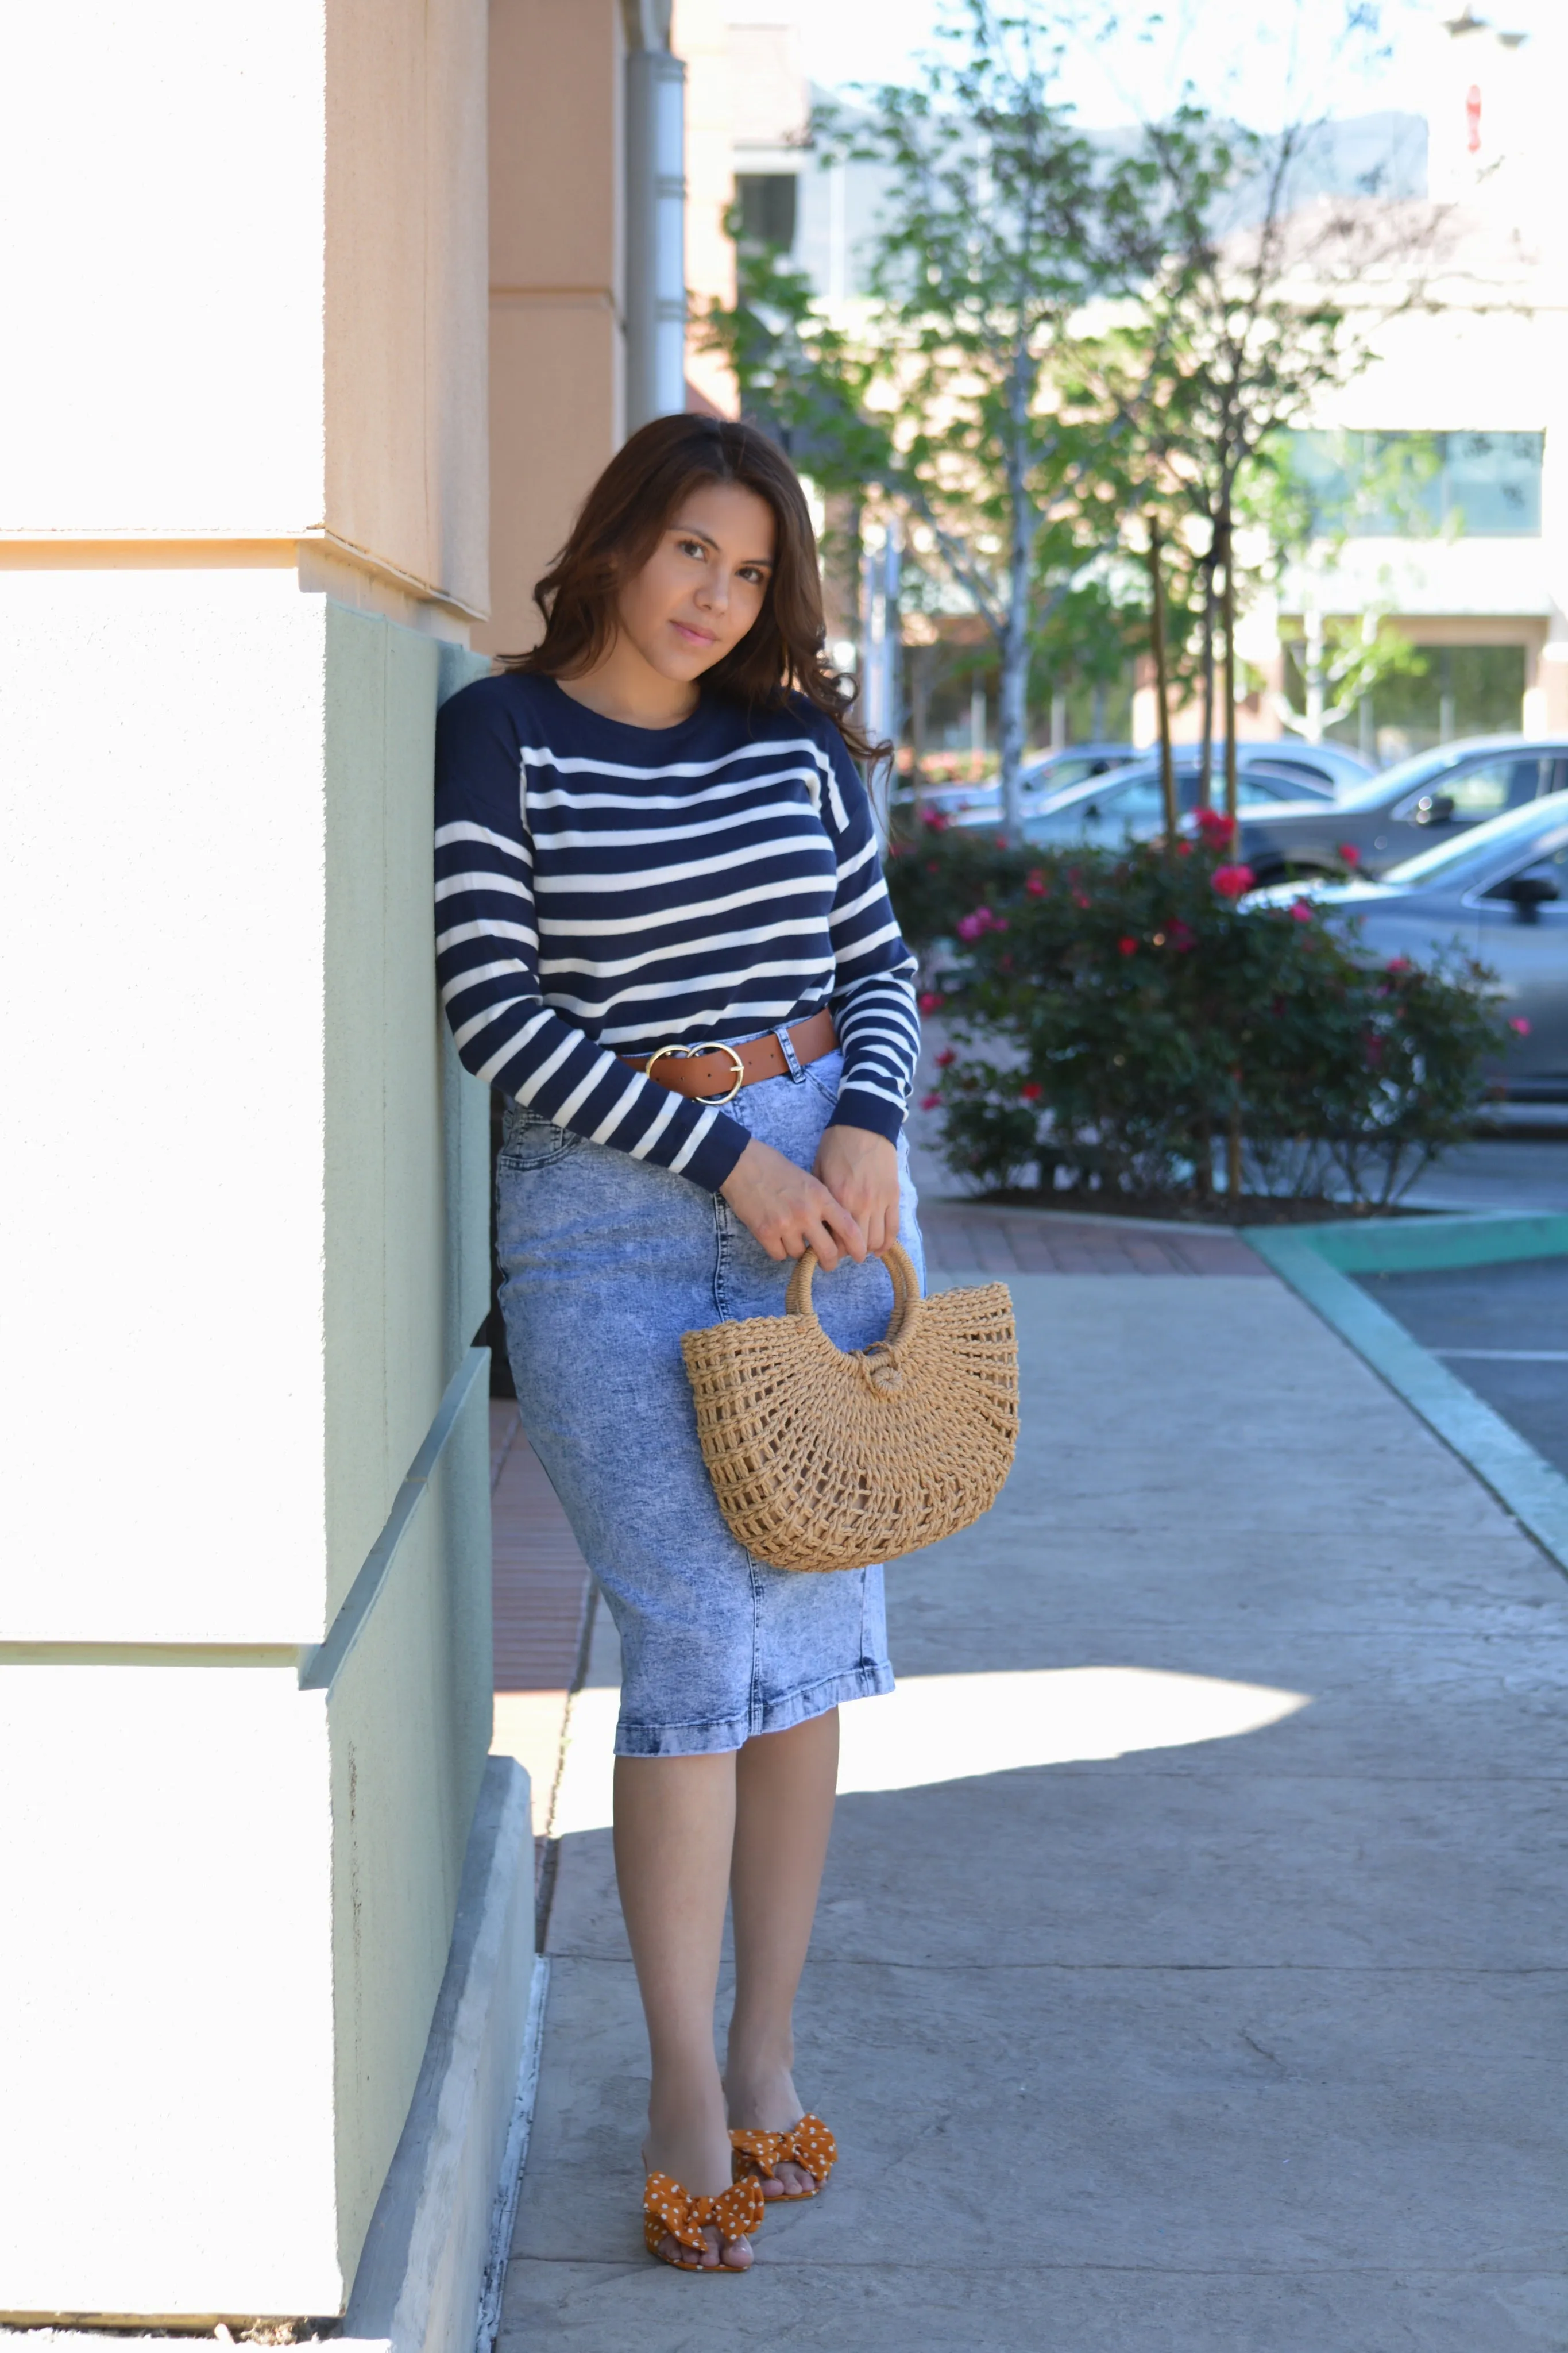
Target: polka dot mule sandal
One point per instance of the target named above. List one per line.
(759, 2155)
(671, 2212)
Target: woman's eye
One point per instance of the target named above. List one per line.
(692, 547)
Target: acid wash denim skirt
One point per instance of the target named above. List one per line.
(605, 1261)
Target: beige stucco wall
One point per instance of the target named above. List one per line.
(242, 519)
(557, 358)
(699, 34)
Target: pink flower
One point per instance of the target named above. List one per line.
(1215, 828)
(1080, 897)
(1233, 881)
(1180, 938)
(1302, 911)
(1519, 1026)
(970, 927)
(1031, 1090)
(1184, 849)
(1035, 883)
(1127, 946)
(946, 1059)
(930, 1102)
(930, 1002)
(1399, 963)
(1349, 853)
(938, 820)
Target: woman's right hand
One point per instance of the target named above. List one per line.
(788, 1210)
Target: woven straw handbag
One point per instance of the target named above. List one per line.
(825, 1458)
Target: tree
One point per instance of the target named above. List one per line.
(1003, 222)
(1342, 660)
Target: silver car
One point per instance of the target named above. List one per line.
(1499, 893)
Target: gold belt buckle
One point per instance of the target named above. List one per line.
(685, 1053)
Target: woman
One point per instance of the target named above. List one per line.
(664, 935)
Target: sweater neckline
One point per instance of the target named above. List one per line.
(622, 730)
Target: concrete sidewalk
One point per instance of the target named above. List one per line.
(1190, 1966)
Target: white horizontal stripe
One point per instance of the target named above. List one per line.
(462, 831)
(889, 930)
(853, 865)
(487, 879)
(701, 821)
(691, 1143)
(713, 944)
(570, 927)
(540, 755)
(869, 898)
(490, 930)
(618, 1110)
(860, 1085)
(579, 1095)
(662, 989)
(510, 968)
(650, 1135)
(660, 877)
(513, 1047)
(535, 1079)
(492, 1013)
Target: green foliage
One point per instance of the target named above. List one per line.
(1121, 1016)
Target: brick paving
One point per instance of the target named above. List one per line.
(963, 1237)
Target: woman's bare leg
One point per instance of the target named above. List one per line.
(784, 1784)
(674, 1830)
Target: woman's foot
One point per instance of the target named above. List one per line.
(766, 2100)
(700, 2161)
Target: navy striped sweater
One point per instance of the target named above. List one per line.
(604, 889)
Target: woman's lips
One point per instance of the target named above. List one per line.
(693, 636)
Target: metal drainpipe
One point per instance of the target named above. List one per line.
(656, 219)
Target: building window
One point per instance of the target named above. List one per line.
(767, 200)
(1397, 485)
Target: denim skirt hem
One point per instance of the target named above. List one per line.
(605, 1261)
(779, 1715)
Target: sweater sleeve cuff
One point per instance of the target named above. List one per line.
(717, 1153)
(857, 1107)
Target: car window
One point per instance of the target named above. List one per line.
(1450, 860)
(1132, 799)
(1550, 851)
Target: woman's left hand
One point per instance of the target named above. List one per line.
(860, 1170)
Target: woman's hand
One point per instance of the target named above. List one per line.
(790, 1212)
(861, 1169)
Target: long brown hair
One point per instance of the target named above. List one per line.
(619, 526)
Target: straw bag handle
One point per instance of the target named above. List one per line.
(906, 1291)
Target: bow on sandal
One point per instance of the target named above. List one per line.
(758, 2156)
(672, 2212)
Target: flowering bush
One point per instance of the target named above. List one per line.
(1122, 1016)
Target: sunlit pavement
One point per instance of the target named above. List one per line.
(1190, 1969)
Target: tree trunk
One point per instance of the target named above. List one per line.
(1316, 698)
(1229, 624)
(1161, 684)
(1205, 748)
(1012, 714)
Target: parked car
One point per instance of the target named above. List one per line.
(1498, 891)
(1408, 808)
(1075, 763)
(1128, 804)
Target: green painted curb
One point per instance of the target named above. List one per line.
(1314, 1261)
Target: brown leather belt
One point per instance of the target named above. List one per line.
(711, 1074)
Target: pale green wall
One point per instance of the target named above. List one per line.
(408, 1286)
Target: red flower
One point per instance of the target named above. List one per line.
(1373, 1045)
(1302, 911)
(1184, 849)
(1128, 946)
(1080, 897)
(1215, 828)
(970, 926)
(945, 1058)
(930, 1102)
(1180, 938)
(929, 1001)
(1031, 1090)
(1349, 853)
(938, 820)
(1001, 841)
(1233, 881)
(1399, 963)
(1519, 1026)
(1035, 883)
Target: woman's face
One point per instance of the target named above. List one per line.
(705, 583)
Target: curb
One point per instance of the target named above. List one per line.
(1319, 1263)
